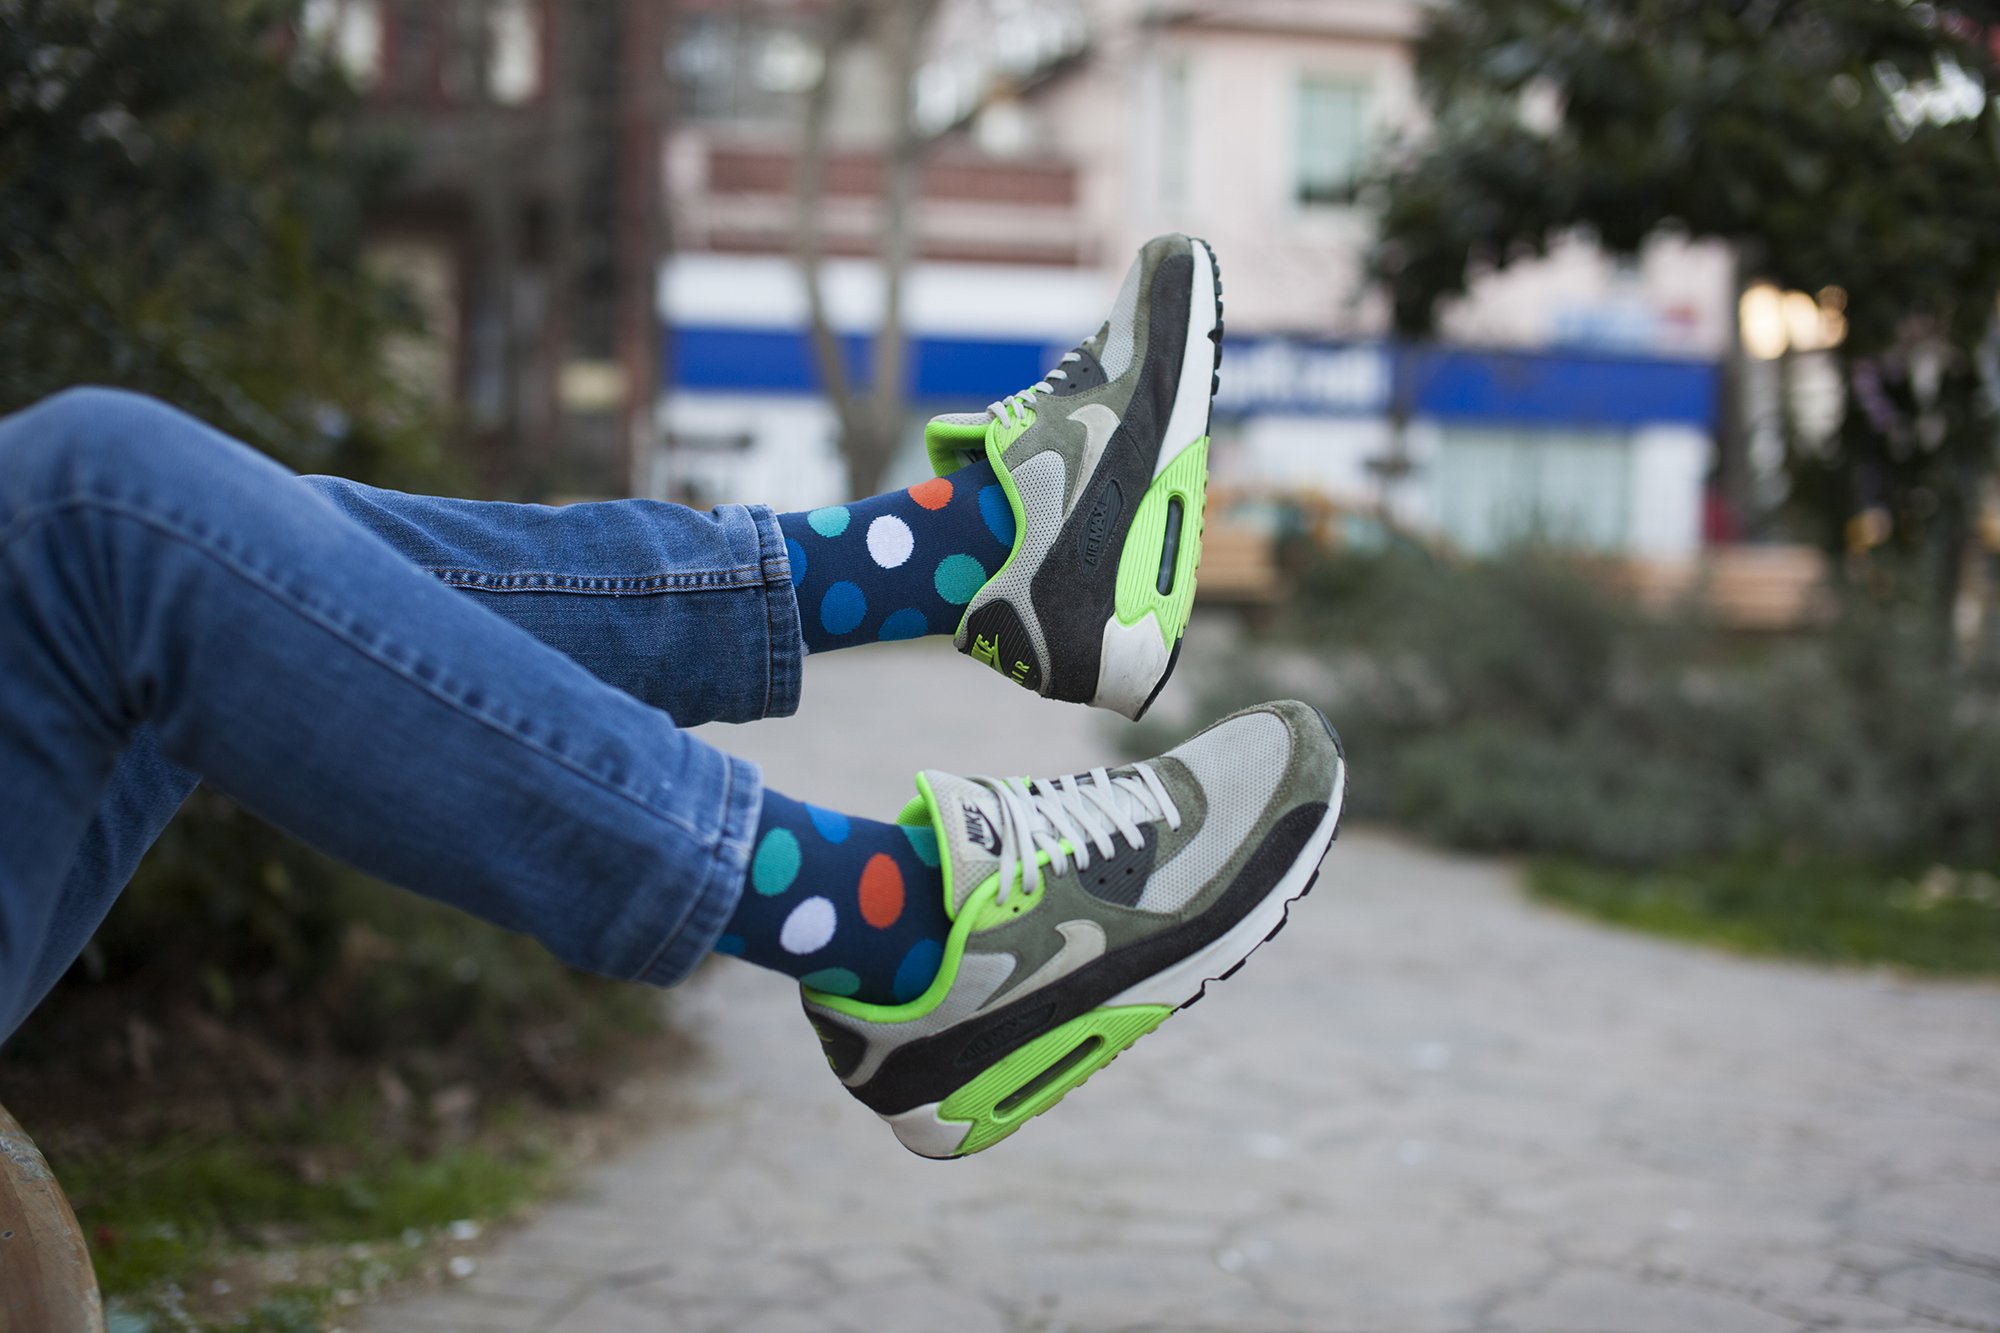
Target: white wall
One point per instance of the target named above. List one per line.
(1325, 454)
(792, 462)
(1061, 305)
(1669, 466)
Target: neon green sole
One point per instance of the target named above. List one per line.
(1140, 567)
(1020, 1087)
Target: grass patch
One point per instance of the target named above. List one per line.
(260, 1127)
(345, 1206)
(1940, 921)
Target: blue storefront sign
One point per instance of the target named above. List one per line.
(1269, 374)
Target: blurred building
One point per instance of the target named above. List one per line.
(527, 218)
(1574, 396)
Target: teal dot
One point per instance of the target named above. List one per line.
(830, 521)
(730, 944)
(776, 864)
(923, 841)
(958, 577)
(917, 971)
(832, 980)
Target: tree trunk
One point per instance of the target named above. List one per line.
(46, 1281)
(902, 31)
(843, 23)
(871, 426)
(1733, 482)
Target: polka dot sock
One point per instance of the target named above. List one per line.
(901, 565)
(846, 905)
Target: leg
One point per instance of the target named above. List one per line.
(900, 565)
(686, 611)
(145, 790)
(155, 575)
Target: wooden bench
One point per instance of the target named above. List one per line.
(1238, 566)
(46, 1282)
(1764, 588)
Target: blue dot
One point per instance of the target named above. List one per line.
(832, 980)
(908, 623)
(923, 841)
(842, 608)
(776, 864)
(999, 515)
(832, 825)
(797, 555)
(830, 521)
(917, 971)
(730, 944)
(958, 577)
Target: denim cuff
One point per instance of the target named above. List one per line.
(781, 603)
(712, 901)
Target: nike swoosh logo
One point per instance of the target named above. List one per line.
(1083, 944)
(1099, 424)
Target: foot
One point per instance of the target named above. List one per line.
(1085, 912)
(1105, 463)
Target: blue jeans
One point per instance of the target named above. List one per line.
(479, 702)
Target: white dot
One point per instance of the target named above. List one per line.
(809, 927)
(890, 541)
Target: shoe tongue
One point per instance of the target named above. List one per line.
(967, 819)
(956, 439)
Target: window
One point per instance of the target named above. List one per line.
(739, 67)
(351, 30)
(1496, 488)
(514, 54)
(1331, 139)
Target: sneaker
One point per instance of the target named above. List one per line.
(1105, 462)
(1086, 911)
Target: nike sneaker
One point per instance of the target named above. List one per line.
(1085, 912)
(1105, 462)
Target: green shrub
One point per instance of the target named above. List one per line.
(1516, 705)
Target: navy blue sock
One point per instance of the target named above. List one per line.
(901, 565)
(846, 905)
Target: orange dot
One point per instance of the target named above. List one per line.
(881, 891)
(932, 494)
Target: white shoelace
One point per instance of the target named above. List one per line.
(1082, 811)
(1016, 405)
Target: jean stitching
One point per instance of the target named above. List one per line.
(159, 523)
(741, 576)
(777, 567)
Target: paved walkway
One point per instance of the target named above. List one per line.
(1430, 1105)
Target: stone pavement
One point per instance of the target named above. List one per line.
(1430, 1105)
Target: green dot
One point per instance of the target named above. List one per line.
(830, 521)
(776, 864)
(832, 980)
(958, 577)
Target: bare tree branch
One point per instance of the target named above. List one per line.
(844, 22)
(871, 427)
(903, 42)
